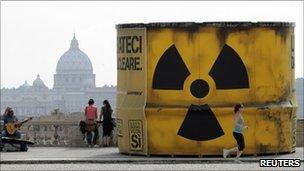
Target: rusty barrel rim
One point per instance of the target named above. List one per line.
(206, 24)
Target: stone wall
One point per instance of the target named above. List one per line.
(300, 133)
(57, 134)
(57, 129)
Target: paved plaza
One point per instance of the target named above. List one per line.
(60, 158)
(96, 166)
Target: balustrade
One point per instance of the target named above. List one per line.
(59, 134)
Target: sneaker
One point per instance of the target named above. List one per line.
(225, 153)
(237, 160)
(95, 146)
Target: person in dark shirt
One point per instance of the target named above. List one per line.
(9, 117)
(107, 123)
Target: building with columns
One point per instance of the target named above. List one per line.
(74, 85)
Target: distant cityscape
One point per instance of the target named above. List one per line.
(74, 85)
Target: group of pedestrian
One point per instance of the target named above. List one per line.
(107, 125)
(89, 127)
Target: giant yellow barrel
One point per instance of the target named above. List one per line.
(177, 84)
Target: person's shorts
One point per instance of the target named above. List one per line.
(240, 140)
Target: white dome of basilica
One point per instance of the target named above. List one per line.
(74, 70)
(74, 60)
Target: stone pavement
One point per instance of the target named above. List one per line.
(60, 155)
(125, 166)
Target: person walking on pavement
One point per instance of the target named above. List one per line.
(237, 133)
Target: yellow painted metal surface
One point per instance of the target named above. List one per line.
(265, 51)
(131, 91)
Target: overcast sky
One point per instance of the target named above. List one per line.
(35, 34)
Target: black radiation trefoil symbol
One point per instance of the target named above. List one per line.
(228, 72)
(200, 124)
